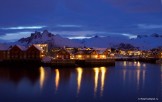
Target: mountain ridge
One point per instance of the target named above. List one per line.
(54, 40)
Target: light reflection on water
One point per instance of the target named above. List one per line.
(96, 71)
(103, 74)
(99, 73)
(79, 78)
(133, 79)
(42, 76)
(57, 78)
(138, 73)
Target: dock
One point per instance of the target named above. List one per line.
(80, 63)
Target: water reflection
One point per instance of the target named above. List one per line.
(99, 84)
(138, 64)
(57, 78)
(16, 75)
(103, 73)
(124, 74)
(79, 78)
(134, 71)
(124, 63)
(134, 63)
(42, 76)
(96, 71)
(143, 77)
(138, 77)
(96, 79)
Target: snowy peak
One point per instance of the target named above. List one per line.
(47, 37)
(141, 42)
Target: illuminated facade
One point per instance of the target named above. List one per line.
(43, 46)
(63, 54)
(35, 52)
(18, 52)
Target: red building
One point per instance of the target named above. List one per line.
(4, 53)
(17, 52)
(34, 52)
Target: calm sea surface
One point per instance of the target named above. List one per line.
(125, 82)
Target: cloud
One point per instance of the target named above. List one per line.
(14, 36)
(149, 26)
(77, 33)
(130, 36)
(79, 37)
(68, 26)
(90, 34)
(23, 27)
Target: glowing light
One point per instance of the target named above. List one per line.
(79, 56)
(42, 76)
(103, 72)
(96, 70)
(79, 78)
(57, 78)
(103, 56)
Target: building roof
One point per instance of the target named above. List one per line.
(100, 49)
(85, 51)
(63, 50)
(23, 48)
(38, 47)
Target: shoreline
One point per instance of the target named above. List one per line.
(70, 63)
(59, 63)
(146, 60)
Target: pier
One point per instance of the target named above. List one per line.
(80, 63)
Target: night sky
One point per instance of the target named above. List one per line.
(79, 18)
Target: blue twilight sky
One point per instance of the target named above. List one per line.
(79, 18)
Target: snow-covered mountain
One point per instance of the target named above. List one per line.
(142, 41)
(147, 41)
(47, 37)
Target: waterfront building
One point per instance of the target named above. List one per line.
(62, 54)
(80, 54)
(87, 54)
(159, 54)
(4, 53)
(35, 52)
(43, 46)
(17, 52)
